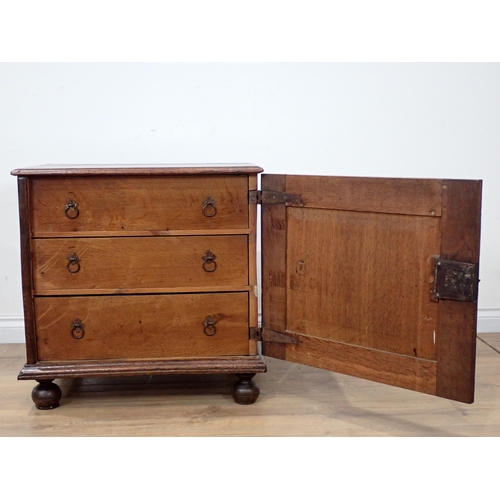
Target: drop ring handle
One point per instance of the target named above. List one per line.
(73, 263)
(71, 209)
(209, 264)
(209, 327)
(77, 329)
(209, 209)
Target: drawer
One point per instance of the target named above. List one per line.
(128, 264)
(64, 205)
(141, 326)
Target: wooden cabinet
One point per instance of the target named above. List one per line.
(143, 270)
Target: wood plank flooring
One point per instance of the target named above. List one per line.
(295, 400)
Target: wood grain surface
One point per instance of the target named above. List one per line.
(134, 263)
(358, 276)
(124, 203)
(363, 278)
(135, 367)
(141, 326)
(375, 365)
(456, 340)
(253, 302)
(274, 234)
(365, 194)
(23, 187)
(151, 169)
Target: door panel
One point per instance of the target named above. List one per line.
(350, 274)
(363, 279)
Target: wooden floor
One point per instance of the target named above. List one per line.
(295, 400)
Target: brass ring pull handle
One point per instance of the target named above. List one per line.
(209, 209)
(71, 209)
(209, 328)
(209, 264)
(73, 263)
(77, 330)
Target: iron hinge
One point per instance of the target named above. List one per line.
(255, 333)
(455, 280)
(267, 335)
(274, 197)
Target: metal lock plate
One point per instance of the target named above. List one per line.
(455, 280)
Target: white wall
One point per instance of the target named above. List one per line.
(401, 120)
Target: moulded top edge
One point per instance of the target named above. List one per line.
(141, 169)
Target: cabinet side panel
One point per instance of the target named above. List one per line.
(456, 335)
(27, 277)
(274, 265)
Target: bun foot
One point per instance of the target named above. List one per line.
(46, 395)
(245, 391)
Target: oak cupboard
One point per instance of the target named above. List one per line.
(152, 269)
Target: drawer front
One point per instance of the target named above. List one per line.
(122, 204)
(118, 265)
(142, 326)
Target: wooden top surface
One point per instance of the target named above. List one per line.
(141, 169)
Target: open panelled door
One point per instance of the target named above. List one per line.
(375, 278)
